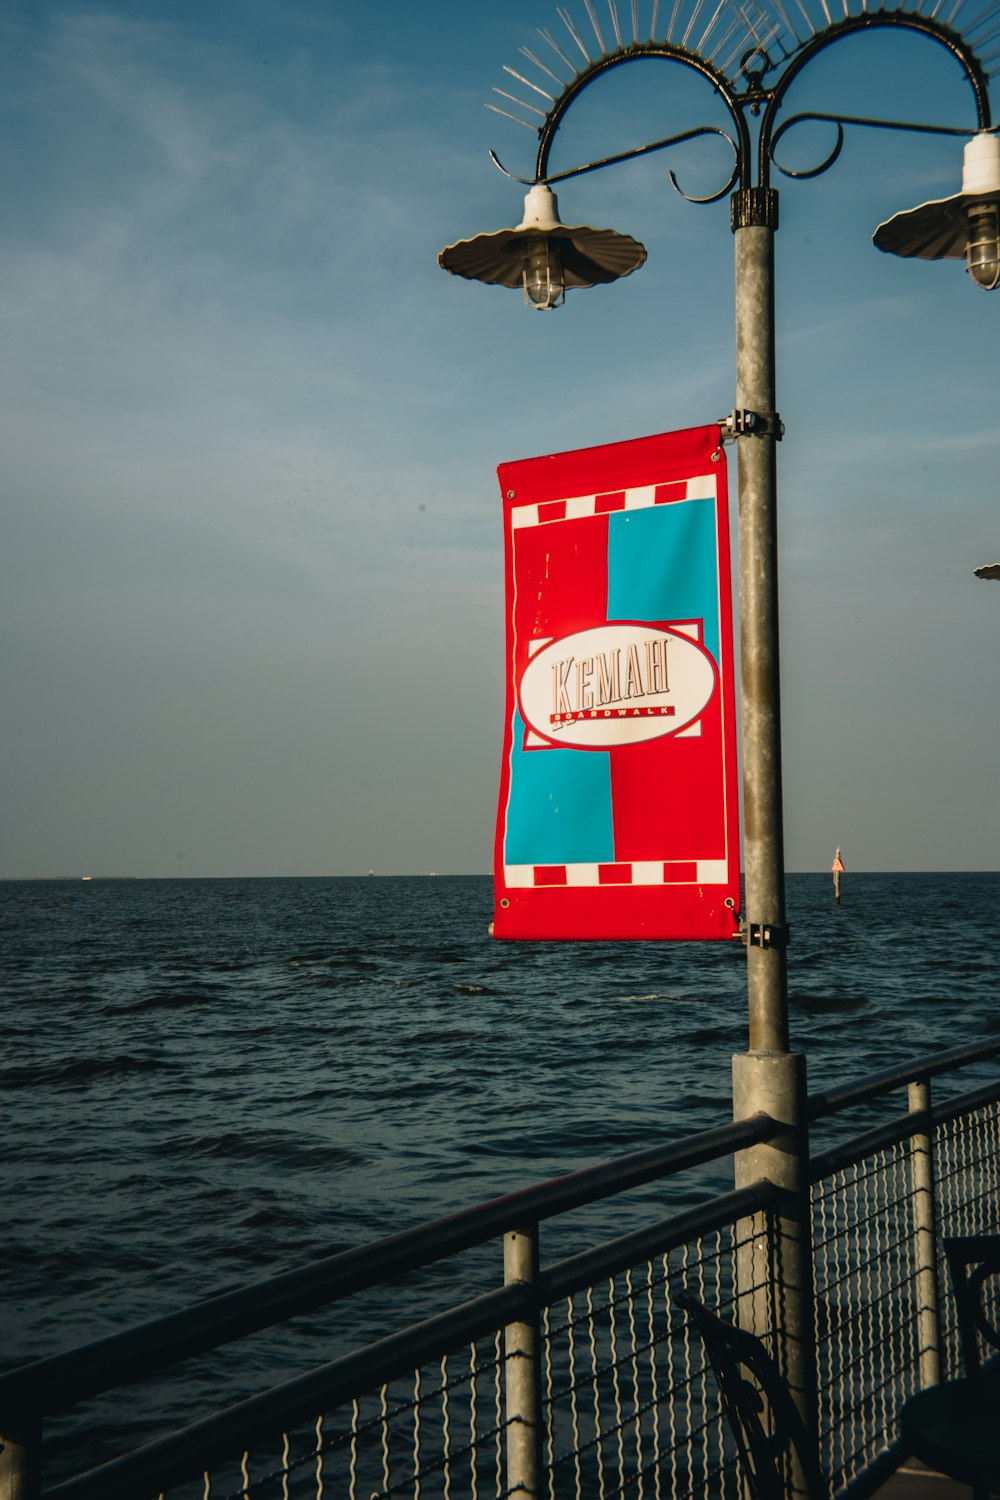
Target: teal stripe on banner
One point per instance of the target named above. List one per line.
(662, 565)
(559, 809)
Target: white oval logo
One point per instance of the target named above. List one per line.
(615, 684)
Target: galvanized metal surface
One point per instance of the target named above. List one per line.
(763, 836)
(522, 1370)
(925, 1251)
(777, 1082)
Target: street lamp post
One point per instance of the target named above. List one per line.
(733, 54)
(547, 258)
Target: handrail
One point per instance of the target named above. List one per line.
(51, 1384)
(60, 1380)
(830, 1101)
(891, 1132)
(848, 1153)
(179, 1455)
(588, 1267)
(960, 1104)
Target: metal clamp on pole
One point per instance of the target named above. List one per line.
(767, 934)
(751, 424)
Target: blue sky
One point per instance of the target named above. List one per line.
(251, 561)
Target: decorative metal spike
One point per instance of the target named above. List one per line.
(779, 7)
(826, 12)
(754, 14)
(772, 35)
(983, 16)
(988, 35)
(528, 84)
(673, 20)
(516, 118)
(721, 41)
(613, 8)
(547, 36)
(724, 40)
(737, 50)
(570, 26)
(593, 21)
(539, 64)
(699, 6)
(751, 26)
(520, 103)
(749, 36)
(700, 44)
(635, 21)
(653, 23)
(954, 12)
(758, 17)
(806, 17)
(781, 21)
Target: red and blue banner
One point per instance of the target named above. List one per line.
(618, 813)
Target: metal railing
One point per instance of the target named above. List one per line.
(881, 1203)
(578, 1378)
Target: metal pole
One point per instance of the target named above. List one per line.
(755, 217)
(774, 1287)
(20, 1458)
(521, 1373)
(774, 1280)
(925, 1240)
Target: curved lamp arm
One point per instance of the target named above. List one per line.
(850, 26)
(666, 52)
(840, 121)
(758, 96)
(610, 161)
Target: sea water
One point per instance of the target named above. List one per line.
(207, 1081)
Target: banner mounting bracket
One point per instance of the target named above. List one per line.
(743, 423)
(767, 934)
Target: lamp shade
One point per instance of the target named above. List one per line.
(589, 256)
(944, 228)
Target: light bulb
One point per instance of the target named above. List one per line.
(983, 248)
(544, 284)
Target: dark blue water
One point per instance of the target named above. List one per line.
(205, 1081)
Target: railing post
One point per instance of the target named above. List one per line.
(521, 1373)
(774, 1279)
(925, 1239)
(20, 1457)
